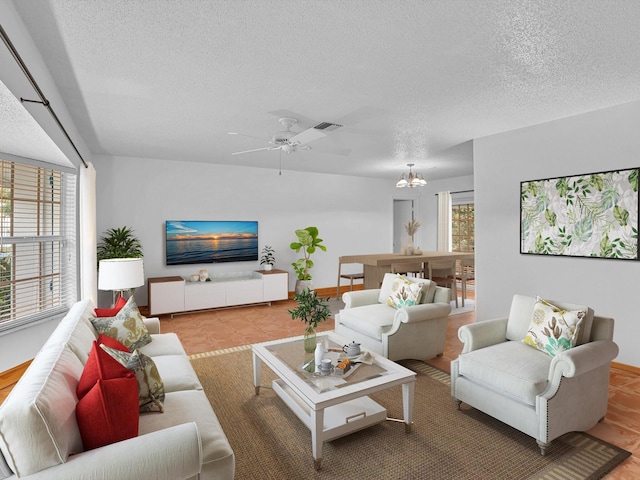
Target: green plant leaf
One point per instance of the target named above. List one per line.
(583, 229)
(119, 243)
(633, 179)
(621, 215)
(550, 217)
(597, 182)
(606, 248)
(562, 187)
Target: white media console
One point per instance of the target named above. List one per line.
(175, 294)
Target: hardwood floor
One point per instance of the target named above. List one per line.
(206, 331)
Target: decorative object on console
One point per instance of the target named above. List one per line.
(592, 215)
(311, 310)
(268, 258)
(192, 242)
(411, 180)
(203, 276)
(308, 241)
(120, 274)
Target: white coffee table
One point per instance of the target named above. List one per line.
(331, 406)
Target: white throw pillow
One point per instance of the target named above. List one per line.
(404, 293)
(553, 330)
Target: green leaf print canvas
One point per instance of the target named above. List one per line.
(592, 215)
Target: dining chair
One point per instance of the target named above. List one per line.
(443, 273)
(465, 274)
(347, 276)
(415, 269)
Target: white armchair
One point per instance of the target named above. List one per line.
(542, 396)
(416, 332)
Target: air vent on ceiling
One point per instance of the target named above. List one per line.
(327, 127)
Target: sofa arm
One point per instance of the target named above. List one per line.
(172, 453)
(482, 334)
(420, 313)
(360, 298)
(152, 324)
(582, 359)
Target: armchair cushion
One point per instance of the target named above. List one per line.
(552, 329)
(509, 368)
(370, 320)
(404, 293)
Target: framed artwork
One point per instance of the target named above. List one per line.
(593, 215)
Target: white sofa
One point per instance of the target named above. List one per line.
(39, 435)
(416, 332)
(542, 396)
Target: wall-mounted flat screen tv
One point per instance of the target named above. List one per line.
(189, 242)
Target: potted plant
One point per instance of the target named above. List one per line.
(268, 258)
(308, 242)
(119, 243)
(311, 310)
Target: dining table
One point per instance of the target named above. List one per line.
(375, 265)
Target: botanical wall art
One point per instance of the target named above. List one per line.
(592, 215)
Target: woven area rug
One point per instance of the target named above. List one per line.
(270, 442)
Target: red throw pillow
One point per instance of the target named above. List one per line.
(111, 312)
(100, 366)
(111, 343)
(109, 413)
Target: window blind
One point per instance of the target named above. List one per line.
(37, 243)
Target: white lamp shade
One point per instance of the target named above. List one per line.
(120, 274)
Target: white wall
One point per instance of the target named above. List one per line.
(597, 141)
(353, 215)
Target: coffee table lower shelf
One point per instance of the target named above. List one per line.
(339, 420)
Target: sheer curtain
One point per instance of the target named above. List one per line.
(444, 221)
(88, 240)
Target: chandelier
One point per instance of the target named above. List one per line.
(411, 180)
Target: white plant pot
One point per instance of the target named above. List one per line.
(268, 267)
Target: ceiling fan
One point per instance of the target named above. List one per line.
(288, 141)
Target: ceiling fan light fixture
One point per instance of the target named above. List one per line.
(412, 180)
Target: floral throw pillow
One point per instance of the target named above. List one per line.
(127, 326)
(553, 330)
(404, 293)
(150, 385)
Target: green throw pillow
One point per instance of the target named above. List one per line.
(150, 386)
(127, 326)
(553, 330)
(404, 293)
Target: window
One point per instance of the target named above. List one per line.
(462, 227)
(37, 249)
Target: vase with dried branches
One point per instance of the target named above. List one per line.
(411, 228)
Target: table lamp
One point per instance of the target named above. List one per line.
(120, 274)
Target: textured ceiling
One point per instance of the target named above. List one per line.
(412, 80)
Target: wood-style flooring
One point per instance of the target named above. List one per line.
(206, 331)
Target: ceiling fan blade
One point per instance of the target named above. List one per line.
(306, 136)
(359, 115)
(245, 135)
(255, 150)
